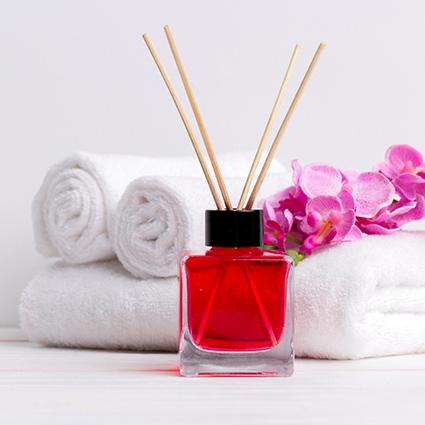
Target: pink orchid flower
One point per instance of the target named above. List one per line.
(326, 221)
(405, 166)
(293, 198)
(402, 159)
(370, 192)
(277, 222)
(328, 206)
(294, 201)
(323, 180)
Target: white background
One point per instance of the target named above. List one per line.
(74, 75)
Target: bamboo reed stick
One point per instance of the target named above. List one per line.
(267, 129)
(185, 120)
(283, 127)
(198, 117)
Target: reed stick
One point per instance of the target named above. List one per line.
(196, 111)
(283, 127)
(267, 129)
(185, 120)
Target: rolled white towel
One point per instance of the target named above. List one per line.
(159, 217)
(74, 208)
(361, 299)
(100, 305)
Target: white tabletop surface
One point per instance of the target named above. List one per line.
(40, 385)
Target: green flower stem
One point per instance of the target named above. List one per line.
(295, 255)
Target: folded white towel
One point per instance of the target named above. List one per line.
(361, 299)
(158, 217)
(100, 305)
(74, 208)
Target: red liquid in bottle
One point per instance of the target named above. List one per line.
(236, 298)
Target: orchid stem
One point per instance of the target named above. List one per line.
(293, 239)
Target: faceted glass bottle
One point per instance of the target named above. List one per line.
(236, 303)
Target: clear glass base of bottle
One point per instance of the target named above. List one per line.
(201, 357)
(277, 361)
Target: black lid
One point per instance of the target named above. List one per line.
(233, 228)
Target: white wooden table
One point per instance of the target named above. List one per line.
(41, 385)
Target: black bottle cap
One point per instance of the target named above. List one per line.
(233, 228)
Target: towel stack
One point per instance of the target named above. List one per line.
(118, 223)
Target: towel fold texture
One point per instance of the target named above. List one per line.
(158, 217)
(100, 305)
(355, 300)
(74, 209)
(363, 299)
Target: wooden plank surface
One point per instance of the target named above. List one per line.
(40, 385)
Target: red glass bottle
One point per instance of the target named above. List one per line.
(236, 301)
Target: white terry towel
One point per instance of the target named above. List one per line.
(74, 208)
(100, 305)
(159, 217)
(361, 299)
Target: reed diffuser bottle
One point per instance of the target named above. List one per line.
(236, 303)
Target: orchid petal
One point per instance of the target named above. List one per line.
(345, 225)
(309, 245)
(409, 185)
(372, 191)
(401, 209)
(405, 155)
(313, 242)
(296, 171)
(269, 213)
(269, 239)
(289, 217)
(311, 223)
(330, 236)
(273, 225)
(347, 200)
(378, 229)
(323, 205)
(295, 205)
(414, 214)
(354, 234)
(388, 170)
(320, 180)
